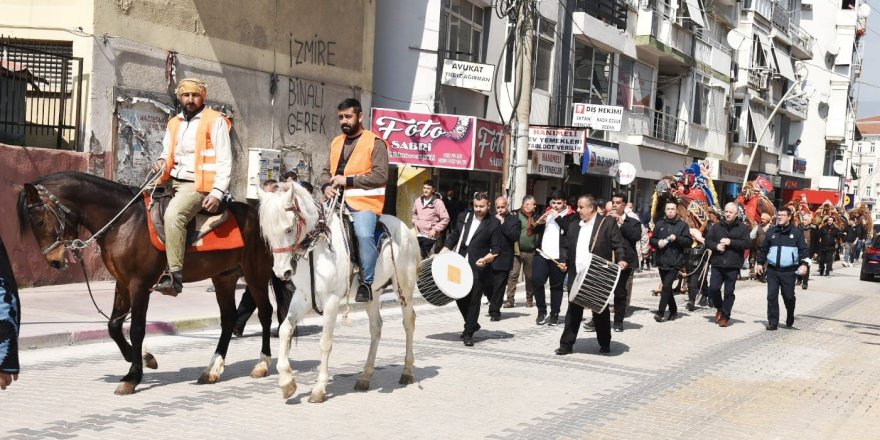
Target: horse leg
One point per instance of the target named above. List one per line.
(121, 306)
(331, 305)
(299, 306)
(224, 290)
(409, 326)
(363, 382)
(139, 304)
(259, 292)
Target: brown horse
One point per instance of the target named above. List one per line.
(53, 208)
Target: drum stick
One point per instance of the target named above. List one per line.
(541, 253)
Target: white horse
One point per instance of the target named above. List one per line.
(287, 217)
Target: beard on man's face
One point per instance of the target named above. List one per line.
(350, 128)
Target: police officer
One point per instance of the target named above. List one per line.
(783, 255)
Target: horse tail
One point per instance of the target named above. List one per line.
(24, 215)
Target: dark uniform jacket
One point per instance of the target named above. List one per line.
(482, 243)
(784, 248)
(608, 241)
(506, 237)
(734, 255)
(674, 255)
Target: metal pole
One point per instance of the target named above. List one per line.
(521, 133)
(764, 130)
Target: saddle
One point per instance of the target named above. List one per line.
(205, 232)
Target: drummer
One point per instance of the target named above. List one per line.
(600, 236)
(474, 237)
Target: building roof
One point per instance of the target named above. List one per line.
(869, 126)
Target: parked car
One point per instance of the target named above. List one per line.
(871, 260)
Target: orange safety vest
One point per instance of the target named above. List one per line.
(360, 162)
(206, 157)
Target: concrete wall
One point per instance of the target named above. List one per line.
(321, 55)
(20, 165)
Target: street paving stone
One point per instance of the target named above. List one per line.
(682, 379)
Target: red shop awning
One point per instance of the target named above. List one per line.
(814, 197)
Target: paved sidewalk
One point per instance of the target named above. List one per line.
(62, 315)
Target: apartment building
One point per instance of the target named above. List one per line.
(865, 185)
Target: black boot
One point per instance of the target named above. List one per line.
(364, 293)
(170, 283)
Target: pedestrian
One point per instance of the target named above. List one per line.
(862, 229)
(850, 235)
(551, 225)
(728, 241)
(454, 206)
(826, 243)
(506, 237)
(809, 231)
(196, 160)
(283, 291)
(524, 253)
(10, 321)
(757, 235)
(359, 166)
(430, 218)
(783, 255)
(474, 239)
(671, 238)
(631, 232)
(593, 234)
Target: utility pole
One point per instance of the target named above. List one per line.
(520, 146)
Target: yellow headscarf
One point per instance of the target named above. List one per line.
(192, 85)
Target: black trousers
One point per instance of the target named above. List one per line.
(425, 244)
(542, 270)
(620, 295)
(779, 281)
(826, 259)
(667, 277)
(247, 306)
(725, 276)
(469, 306)
(573, 318)
(498, 283)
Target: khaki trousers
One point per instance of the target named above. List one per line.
(187, 202)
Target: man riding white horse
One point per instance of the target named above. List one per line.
(359, 165)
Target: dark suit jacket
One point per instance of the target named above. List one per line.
(608, 242)
(482, 243)
(506, 237)
(631, 230)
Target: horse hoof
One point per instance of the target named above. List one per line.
(208, 379)
(406, 379)
(288, 389)
(362, 385)
(259, 372)
(125, 389)
(150, 361)
(317, 397)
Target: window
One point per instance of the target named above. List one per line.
(635, 85)
(870, 169)
(871, 150)
(462, 24)
(701, 100)
(542, 46)
(592, 75)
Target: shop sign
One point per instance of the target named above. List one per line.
(849, 201)
(793, 165)
(603, 157)
(489, 146)
(867, 200)
(547, 163)
(791, 183)
(563, 140)
(468, 75)
(800, 166)
(731, 172)
(597, 117)
(422, 139)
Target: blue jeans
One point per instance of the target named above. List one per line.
(364, 230)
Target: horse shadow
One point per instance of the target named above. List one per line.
(231, 371)
(385, 380)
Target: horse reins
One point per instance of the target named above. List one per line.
(76, 245)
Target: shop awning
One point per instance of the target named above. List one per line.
(816, 197)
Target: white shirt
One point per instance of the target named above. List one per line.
(583, 243)
(475, 223)
(185, 157)
(550, 240)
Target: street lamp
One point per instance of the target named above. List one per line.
(788, 95)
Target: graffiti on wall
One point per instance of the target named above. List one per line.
(305, 104)
(139, 133)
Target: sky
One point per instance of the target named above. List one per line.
(869, 95)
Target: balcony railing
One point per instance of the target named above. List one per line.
(658, 125)
(781, 18)
(613, 12)
(762, 7)
(798, 105)
(666, 31)
(801, 40)
(713, 53)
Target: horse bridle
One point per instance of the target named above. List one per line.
(51, 202)
(303, 244)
